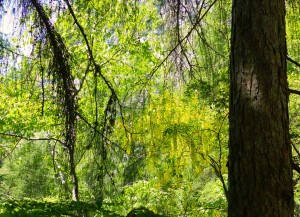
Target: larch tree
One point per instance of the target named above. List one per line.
(260, 160)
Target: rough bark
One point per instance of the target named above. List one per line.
(260, 172)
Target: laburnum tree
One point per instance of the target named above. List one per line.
(136, 94)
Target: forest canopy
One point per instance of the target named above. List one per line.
(115, 108)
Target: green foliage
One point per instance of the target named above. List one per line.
(164, 132)
(190, 198)
(171, 121)
(27, 172)
(32, 208)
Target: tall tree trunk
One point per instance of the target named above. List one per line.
(260, 173)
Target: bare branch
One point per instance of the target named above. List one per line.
(295, 167)
(31, 139)
(298, 153)
(297, 92)
(293, 61)
(11, 151)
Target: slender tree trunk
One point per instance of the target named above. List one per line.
(75, 186)
(260, 173)
(61, 72)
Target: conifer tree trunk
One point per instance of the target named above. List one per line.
(260, 172)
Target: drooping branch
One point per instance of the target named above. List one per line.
(110, 111)
(96, 65)
(63, 79)
(198, 20)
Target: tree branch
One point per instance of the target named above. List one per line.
(83, 78)
(90, 52)
(97, 67)
(297, 92)
(14, 52)
(295, 166)
(293, 61)
(98, 131)
(217, 168)
(200, 18)
(31, 139)
(11, 151)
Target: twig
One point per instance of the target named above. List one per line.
(83, 78)
(97, 131)
(7, 195)
(180, 41)
(298, 153)
(11, 151)
(294, 165)
(31, 139)
(217, 169)
(15, 53)
(207, 44)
